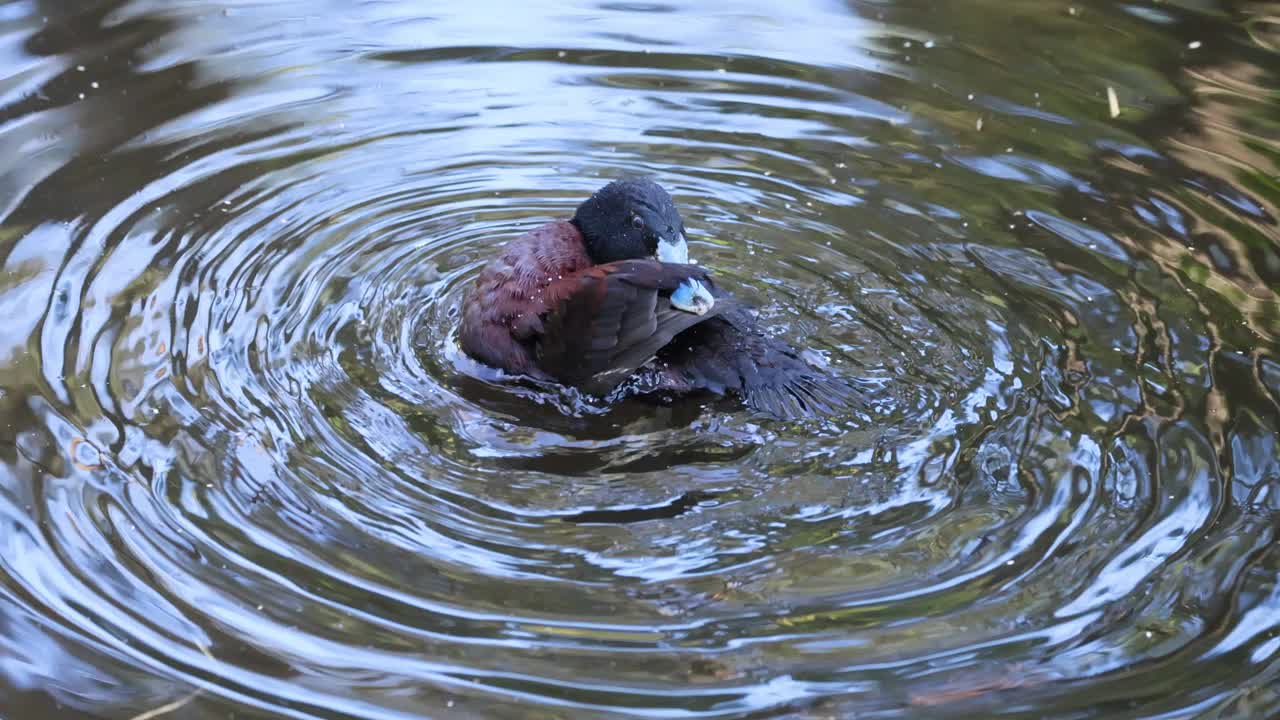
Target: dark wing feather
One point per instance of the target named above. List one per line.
(608, 320)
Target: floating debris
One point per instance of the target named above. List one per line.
(169, 708)
(1113, 102)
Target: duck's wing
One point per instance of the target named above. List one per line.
(608, 320)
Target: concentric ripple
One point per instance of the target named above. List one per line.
(247, 472)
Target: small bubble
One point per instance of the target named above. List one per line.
(561, 54)
(970, 96)
(80, 68)
(84, 455)
(1194, 44)
(928, 44)
(94, 84)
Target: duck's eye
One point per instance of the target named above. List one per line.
(637, 222)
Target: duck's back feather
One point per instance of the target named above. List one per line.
(542, 309)
(611, 319)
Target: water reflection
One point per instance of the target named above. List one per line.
(250, 474)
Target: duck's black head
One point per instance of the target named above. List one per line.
(629, 219)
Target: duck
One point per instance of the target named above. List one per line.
(608, 302)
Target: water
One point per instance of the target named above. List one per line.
(246, 473)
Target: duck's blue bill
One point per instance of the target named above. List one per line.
(692, 296)
(673, 251)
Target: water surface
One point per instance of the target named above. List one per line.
(246, 473)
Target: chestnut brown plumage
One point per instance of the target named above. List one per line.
(582, 302)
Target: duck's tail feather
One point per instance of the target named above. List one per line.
(803, 394)
(731, 354)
